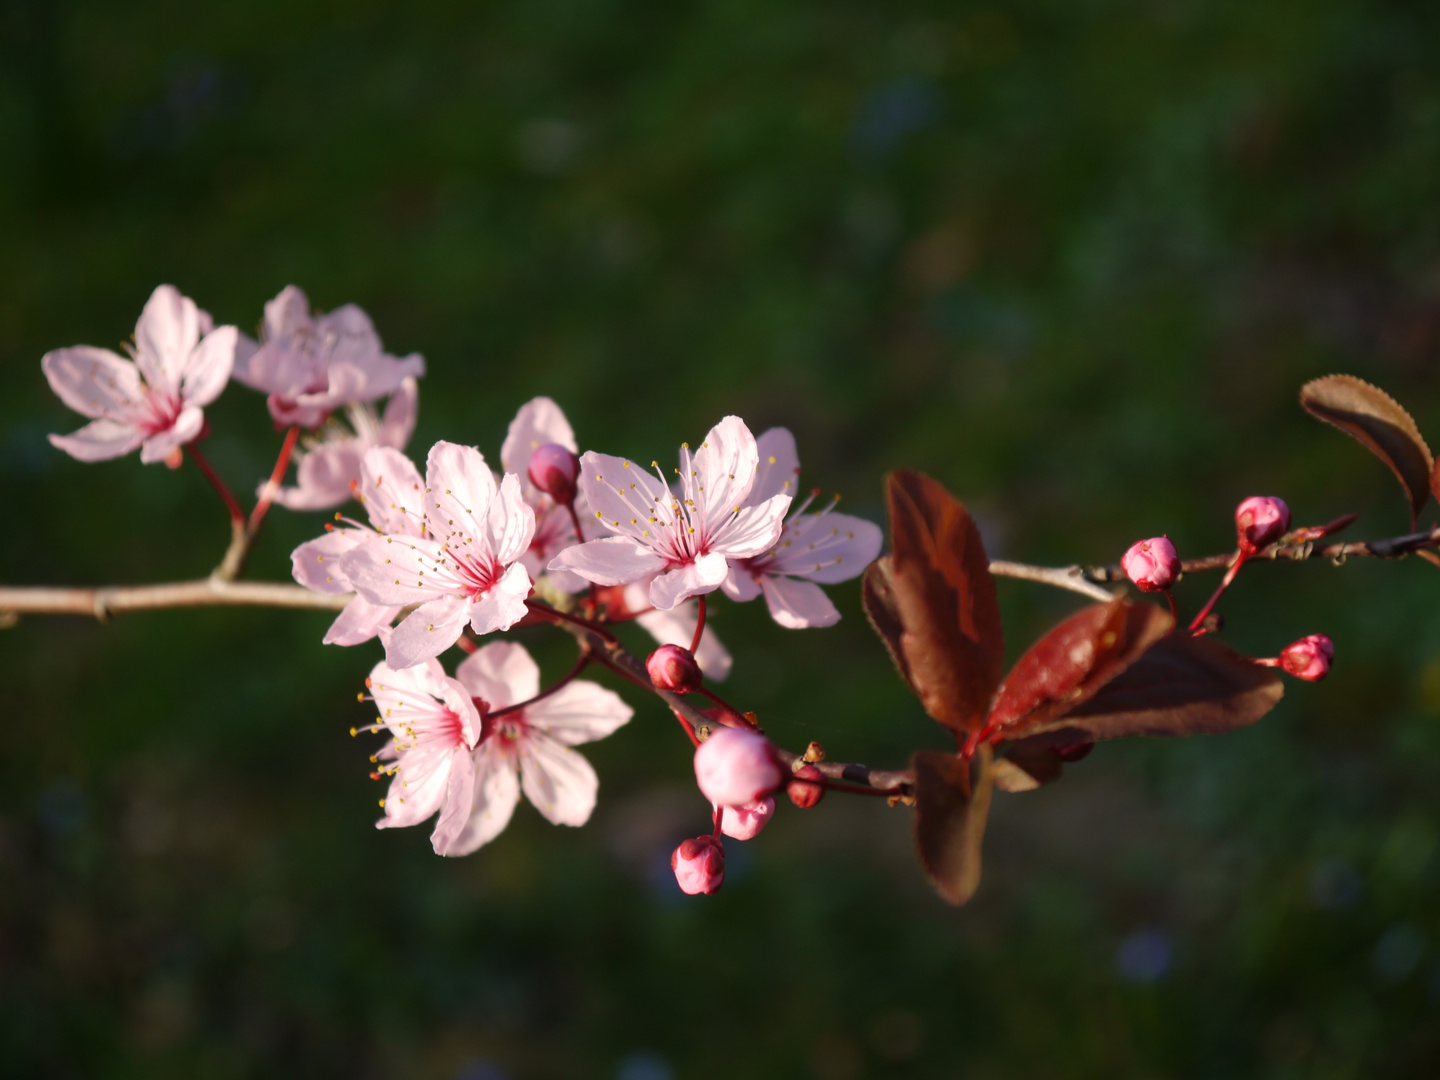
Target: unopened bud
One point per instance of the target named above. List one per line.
(745, 822)
(1152, 564)
(672, 667)
(699, 865)
(735, 768)
(553, 470)
(1309, 658)
(806, 789)
(1259, 521)
(175, 458)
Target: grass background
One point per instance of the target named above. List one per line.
(1074, 259)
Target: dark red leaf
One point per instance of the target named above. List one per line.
(1378, 421)
(952, 800)
(1182, 686)
(1072, 662)
(933, 601)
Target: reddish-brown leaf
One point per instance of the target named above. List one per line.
(1030, 763)
(1182, 686)
(952, 800)
(1378, 421)
(878, 592)
(1072, 662)
(937, 590)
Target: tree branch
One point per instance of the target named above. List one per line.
(207, 592)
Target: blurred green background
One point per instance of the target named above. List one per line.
(1073, 257)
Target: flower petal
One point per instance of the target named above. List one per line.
(500, 674)
(395, 569)
(703, 575)
(100, 440)
(510, 524)
(496, 791)
(398, 423)
(753, 531)
(359, 622)
(779, 469)
(615, 560)
(740, 584)
(623, 497)
(455, 809)
(826, 547)
(579, 712)
(322, 479)
(316, 563)
(459, 490)
(207, 369)
(165, 336)
(427, 631)
(503, 604)
(725, 468)
(798, 604)
(392, 491)
(558, 781)
(95, 382)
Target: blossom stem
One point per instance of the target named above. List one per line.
(1239, 557)
(580, 665)
(1174, 612)
(688, 726)
(237, 515)
(718, 700)
(277, 474)
(555, 615)
(699, 628)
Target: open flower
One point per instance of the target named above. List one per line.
(465, 569)
(393, 495)
(683, 539)
(433, 726)
(529, 748)
(310, 367)
(540, 422)
(329, 466)
(154, 400)
(826, 547)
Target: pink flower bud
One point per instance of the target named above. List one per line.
(1259, 521)
(553, 470)
(745, 822)
(805, 790)
(699, 865)
(734, 767)
(1309, 658)
(1152, 564)
(674, 668)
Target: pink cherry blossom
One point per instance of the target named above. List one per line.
(465, 569)
(154, 400)
(329, 462)
(311, 366)
(1309, 658)
(683, 539)
(540, 423)
(529, 749)
(1259, 521)
(1153, 565)
(735, 768)
(745, 822)
(826, 547)
(393, 494)
(433, 727)
(673, 667)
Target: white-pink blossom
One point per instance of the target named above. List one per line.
(433, 727)
(745, 822)
(310, 366)
(812, 549)
(154, 400)
(393, 495)
(465, 569)
(328, 463)
(529, 749)
(541, 422)
(683, 539)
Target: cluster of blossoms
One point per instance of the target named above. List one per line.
(465, 551)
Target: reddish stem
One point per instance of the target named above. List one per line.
(580, 665)
(699, 628)
(1272, 661)
(705, 691)
(555, 615)
(1240, 557)
(689, 727)
(277, 474)
(236, 514)
(719, 817)
(1174, 612)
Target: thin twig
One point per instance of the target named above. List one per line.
(207, 592)
(1063, 577)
